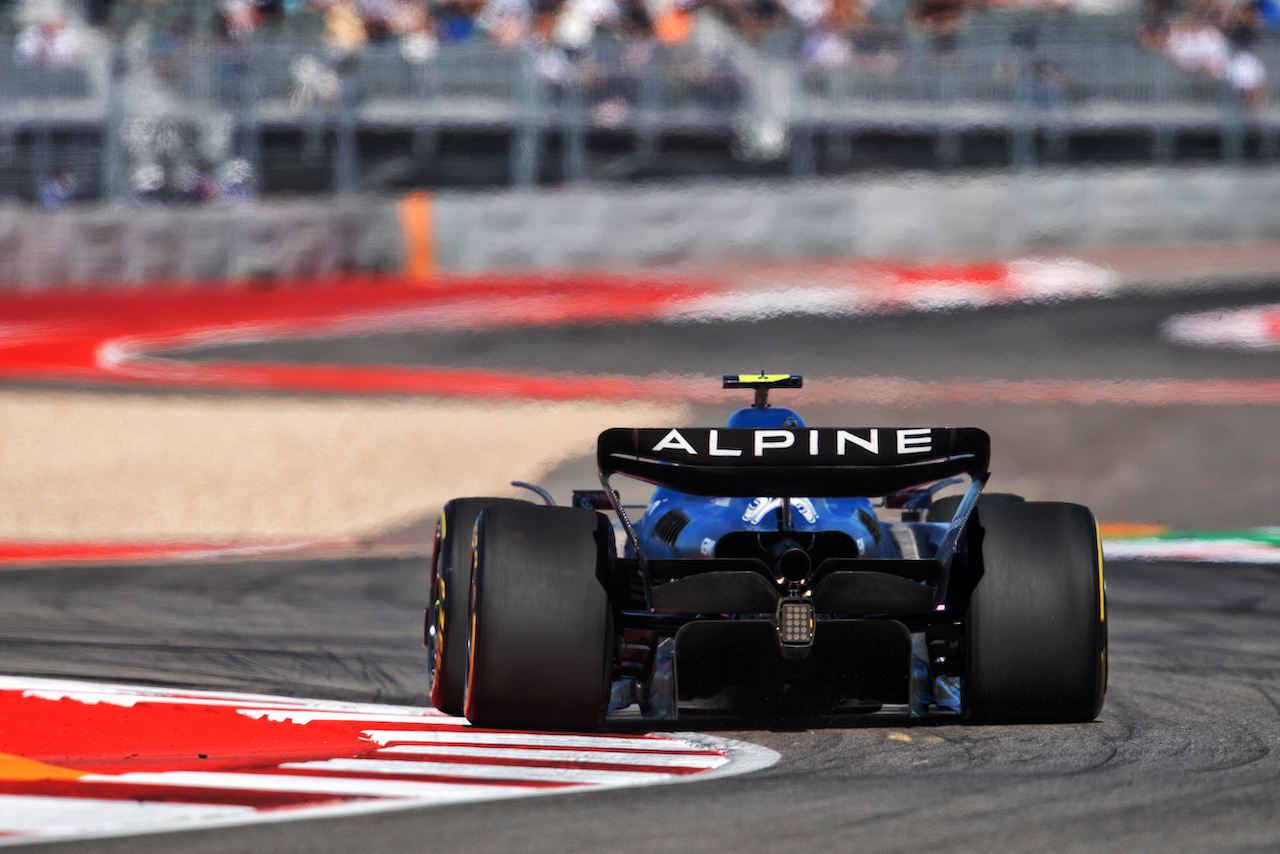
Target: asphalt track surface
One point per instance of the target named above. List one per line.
(1184, 756)
(1114, 338)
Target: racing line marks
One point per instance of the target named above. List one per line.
(89, 760)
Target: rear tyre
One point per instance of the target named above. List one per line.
(541, 651)
(1035, 633)
(944, 509)
(448, 598)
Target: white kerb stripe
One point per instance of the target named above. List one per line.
(45, 816)
(479, 772)
(419, 791)
(533, 739)
(661, 759)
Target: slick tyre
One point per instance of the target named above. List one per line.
(944, 509)
(1035, 634)
(448, 600)
(541, 650)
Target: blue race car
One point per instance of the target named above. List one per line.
(761, 580)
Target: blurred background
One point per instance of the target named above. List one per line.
(204, 101)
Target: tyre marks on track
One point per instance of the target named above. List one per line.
(87, 760)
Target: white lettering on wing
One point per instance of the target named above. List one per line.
(871, 443)
(675, 440)
(716, 451)
(917, 440)
(773, 439)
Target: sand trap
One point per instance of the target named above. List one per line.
(111, 467)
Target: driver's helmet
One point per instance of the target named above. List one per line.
(771, 416)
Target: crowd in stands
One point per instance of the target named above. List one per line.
(606, 43)
(1214, 39)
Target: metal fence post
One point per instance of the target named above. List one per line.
(524, 144)
(800, 121)
(946, 150)
(113, 151)
(1163, 139)
(1022, 138)
(647, 121)
(346, 164)
(573, 143)
(1232, 126)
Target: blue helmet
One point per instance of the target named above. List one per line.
(771, 416)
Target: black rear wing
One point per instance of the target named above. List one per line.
(824, 462)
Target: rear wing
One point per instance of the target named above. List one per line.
(824, 462)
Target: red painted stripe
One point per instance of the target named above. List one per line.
(106, 738)
(142, 793)
(57, 553)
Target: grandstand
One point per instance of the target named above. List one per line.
(156, 99)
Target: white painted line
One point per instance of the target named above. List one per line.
(1199, 551)
(533, 739)
(34, 816)
(349, 786)
(479, 772)
(533, 754)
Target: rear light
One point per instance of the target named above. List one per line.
(795, 622)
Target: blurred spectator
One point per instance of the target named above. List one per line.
(943, 21)
(1245, 71)
(1248, 78)
(146, 186)
(344, 30)
(58, 191)
(168, 48)
(578, 20)
(1153, 31)
(1196, 45)
(673, 23)
(456, 21)
(49, 42)
(240, 18)
(379, 19)
(507, 22)
(313, 83)
(196, 186)
(236, 179)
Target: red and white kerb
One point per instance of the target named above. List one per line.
(79, 759)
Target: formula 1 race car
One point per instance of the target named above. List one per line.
(759, 580)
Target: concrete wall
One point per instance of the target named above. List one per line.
(129, 245)
(905, 216)
(593, 228)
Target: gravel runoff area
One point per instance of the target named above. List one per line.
(93, 466)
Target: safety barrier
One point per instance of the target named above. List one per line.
(700, 222)
(128, 246)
